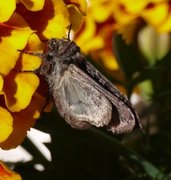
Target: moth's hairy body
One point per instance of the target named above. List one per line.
(82, 95)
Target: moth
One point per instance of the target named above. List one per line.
(82, 95)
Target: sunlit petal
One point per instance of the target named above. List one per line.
(80, 4)
(12, 40)
(6, 9)
(6, 123)
(1, 83)
(53, 22)
(18, 90)
(33, 5)
(23, 120)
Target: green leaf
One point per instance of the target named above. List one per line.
(127, 56)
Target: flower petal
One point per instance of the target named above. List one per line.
(122, 17)
(87, 39)
(29, 62)
(165, 26)
(6, 9)
(6, 122)
(57, 25)
(35, 44)
(109, 60)
(133, 6)
(75, 17)
(53, 22)
(1, 83)
(159, 11)
(98, 10)
(7, 174)
(23, 120)
(18, 90)
(80, 4)
(12, 39)
(33, 5)
(77, 9)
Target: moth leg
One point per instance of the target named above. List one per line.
(25, 71)
(41, 55)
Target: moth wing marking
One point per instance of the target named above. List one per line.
(79, 102)
(123, 120)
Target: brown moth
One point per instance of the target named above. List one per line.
(82, 95)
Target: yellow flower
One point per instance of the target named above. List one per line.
(120, 16)
(7, 174)
(6, 9)
(161, 10)
(22, 26)
(154, 12)
(95, 35)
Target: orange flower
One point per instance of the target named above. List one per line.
(95, 35)
(7, 174)
(132, 16)
(119, 16)
(22, 25)
(127, 10)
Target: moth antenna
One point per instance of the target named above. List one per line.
(69, 31)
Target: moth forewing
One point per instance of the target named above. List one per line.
(126, 117)
(79, 102)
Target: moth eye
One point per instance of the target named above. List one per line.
(77, 49)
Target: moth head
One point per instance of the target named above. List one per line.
(53, 44)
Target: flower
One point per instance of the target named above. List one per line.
(127, 13)
(23, 24)
(95, 35)
(126, 10)
(106, 18)
(7, 174)
(132, 17)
